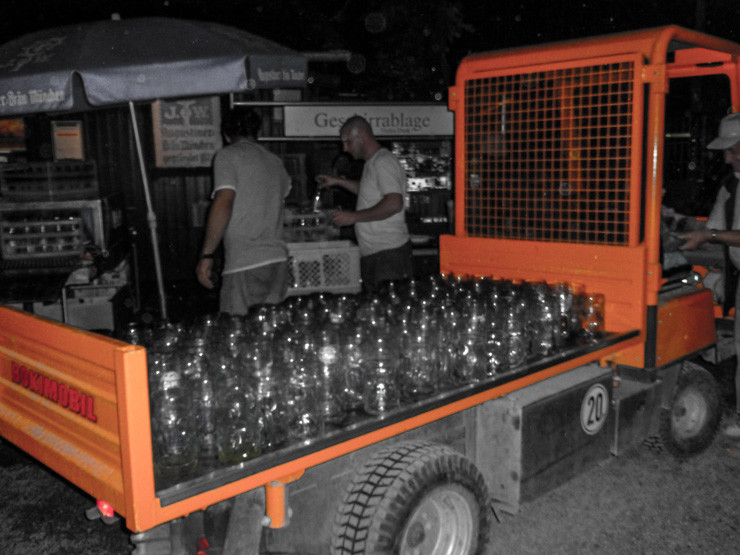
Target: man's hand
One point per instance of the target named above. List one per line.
(342, 218)
(694, 239)
(325, 181)
(204, 271)
(218, 219)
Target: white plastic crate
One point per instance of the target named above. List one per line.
(326, 266)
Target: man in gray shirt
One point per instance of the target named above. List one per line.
(250, 184)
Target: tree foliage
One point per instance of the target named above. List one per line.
(406, 46)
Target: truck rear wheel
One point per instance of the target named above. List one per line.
(416, 498)
(689, 424)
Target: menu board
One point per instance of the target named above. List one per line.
(67, 139)
(187, 133)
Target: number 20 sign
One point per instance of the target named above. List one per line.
(594, 409)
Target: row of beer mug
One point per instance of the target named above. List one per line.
(225, 389)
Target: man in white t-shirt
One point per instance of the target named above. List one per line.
(379, 220)
(250, 184)
(723, 226)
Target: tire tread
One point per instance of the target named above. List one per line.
(375, 501)
(692, 374)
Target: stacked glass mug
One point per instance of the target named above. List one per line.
(226, 389)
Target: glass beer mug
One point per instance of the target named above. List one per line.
(174, 424)
(592, 316)
(237, 421)
(381, 388)
(329, 355)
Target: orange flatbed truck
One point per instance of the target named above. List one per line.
(559, 155)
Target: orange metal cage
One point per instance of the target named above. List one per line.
(559, 161)
(548, 154)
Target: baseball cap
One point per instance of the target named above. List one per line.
(729, 132)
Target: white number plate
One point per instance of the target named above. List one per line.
(594, 409)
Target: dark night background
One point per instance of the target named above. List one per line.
(407, 49)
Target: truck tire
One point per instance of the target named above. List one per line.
(417, 498)
(689, 424)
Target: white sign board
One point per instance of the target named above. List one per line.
(398, 120)
(67, 140)
(187, 133)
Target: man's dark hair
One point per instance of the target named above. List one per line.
(241, 123)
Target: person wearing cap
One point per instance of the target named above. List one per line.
(723, 227)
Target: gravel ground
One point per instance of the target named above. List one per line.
(43, 514)
(643, 502)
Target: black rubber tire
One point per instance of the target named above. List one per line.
(690, 424)
(401, 488)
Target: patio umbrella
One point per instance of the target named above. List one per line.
(110, 62)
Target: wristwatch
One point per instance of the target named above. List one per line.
(714, 236)
(204, 255)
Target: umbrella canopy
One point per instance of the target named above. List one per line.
(138, 59)
(77, 67)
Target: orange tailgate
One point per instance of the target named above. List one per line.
(62, 391)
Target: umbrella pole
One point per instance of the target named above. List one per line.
(151, 217)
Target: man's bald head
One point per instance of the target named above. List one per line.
(357, 123)
(358, 139)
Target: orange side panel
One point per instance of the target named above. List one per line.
(694, 56)
(136, 439)
(79, 403)
(59, 400)
(685, 325)
(616, 272)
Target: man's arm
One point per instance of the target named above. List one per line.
(714, 231)
(390, 204)
(695, 239)
(218, 219)
(325, 181)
